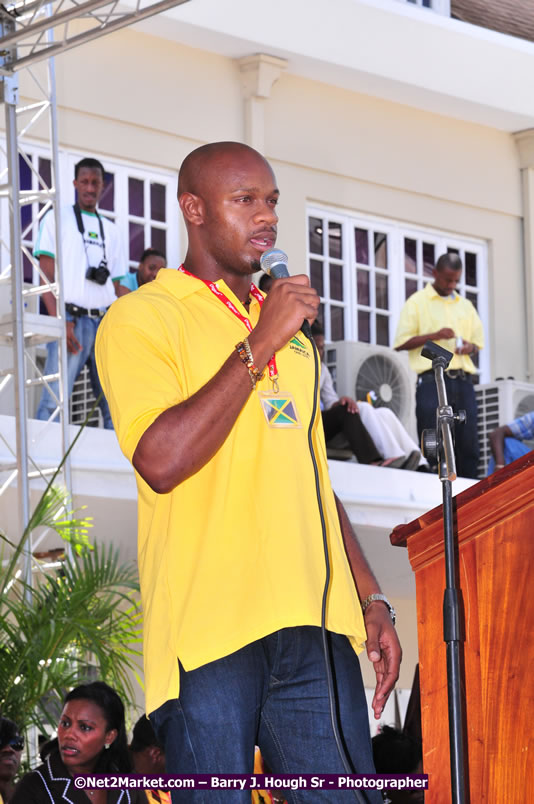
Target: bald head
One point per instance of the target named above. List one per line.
(228, 196)
(199, 167)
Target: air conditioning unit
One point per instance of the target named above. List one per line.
(82, 400)
(359, 368)
(499, 403)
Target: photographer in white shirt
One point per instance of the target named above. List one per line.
(93, 260)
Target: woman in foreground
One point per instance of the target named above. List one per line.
(91, 738)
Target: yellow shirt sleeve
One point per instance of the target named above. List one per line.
(137, 370)
(477, 331)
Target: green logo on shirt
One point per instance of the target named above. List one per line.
(295, 341)
(93, 235)
(296, 345)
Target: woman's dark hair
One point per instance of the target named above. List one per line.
(8, 731)
(316, 328)
(395, 751)
(115, 759)
(265, 282)
(152, 252)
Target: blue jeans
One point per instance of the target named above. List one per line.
(271, 693)
(461, 396)
(85, 331)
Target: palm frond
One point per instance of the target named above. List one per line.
(86, 614)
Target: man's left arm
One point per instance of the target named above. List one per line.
(120, 290)
(476, 336)
(496, 439)
(382, 645)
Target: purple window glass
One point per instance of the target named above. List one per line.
(382, 330)
(429, 258)
(315, 235)
(362, 246)
(320, 315)
(410, 255)
(157, 202)
(337, 323)
(45, 170)
(470, 269)
(136, 197)
(107, 199)
(381, 291)
(473, 298)
(334, 240)
(381, 250)
(316, 276)
(363, 287)
(158, 239)
(364, 326)
(27, 269)
(25, 172)
(26, 218)
(336, 282)
(137, 241)
(410, 287)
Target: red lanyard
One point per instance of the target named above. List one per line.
(273, 372)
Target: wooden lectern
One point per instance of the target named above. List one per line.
(495, 534)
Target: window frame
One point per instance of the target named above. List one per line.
(122, 170)
(397, 230)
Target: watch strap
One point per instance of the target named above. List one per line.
(383, 599)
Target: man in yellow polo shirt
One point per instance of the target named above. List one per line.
(211, 391)
(438, 313)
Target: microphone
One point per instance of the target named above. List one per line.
(274, 263)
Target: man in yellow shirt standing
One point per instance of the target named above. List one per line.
(438, 313)
(211, 388)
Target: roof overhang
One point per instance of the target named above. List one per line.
(383, 48)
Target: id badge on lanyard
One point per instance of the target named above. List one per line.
(279, 407)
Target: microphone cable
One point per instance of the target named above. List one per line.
(306, 330)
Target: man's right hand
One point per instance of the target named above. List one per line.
(289, 302)
(444, 334)
(73, 344)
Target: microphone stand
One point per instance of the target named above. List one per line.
(438, 444)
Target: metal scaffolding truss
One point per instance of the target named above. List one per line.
(34, 19)
(31, 32)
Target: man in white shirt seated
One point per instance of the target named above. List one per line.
(375, 435)
(508, 442)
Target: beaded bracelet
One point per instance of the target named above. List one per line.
(245, 353)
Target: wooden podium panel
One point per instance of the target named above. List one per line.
(495, 533)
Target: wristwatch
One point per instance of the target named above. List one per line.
(371, 599)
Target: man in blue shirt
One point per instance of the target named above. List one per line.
(151, 261)
(507, 442)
